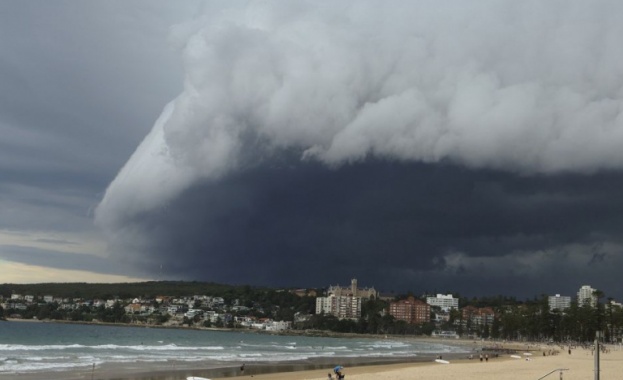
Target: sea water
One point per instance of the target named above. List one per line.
(36, 347)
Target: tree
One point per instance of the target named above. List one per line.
(219, 322)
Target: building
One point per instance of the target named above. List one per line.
(353, 291)
(342, 307)
(559, 302)
(478, 316)
(445, 302)
(304, 292)
(410, 310)
(614, 305)
(586, 295)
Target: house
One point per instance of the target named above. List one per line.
(303, 292)
(133, 308)
(278, 325)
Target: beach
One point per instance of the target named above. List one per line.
(67, 351)
(512, 361)
(577, 365)
(76, 352)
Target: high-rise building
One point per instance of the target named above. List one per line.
(344, 302)
(410, 310)
(343, 307)
(559, 302)
(445, 302)
(586, 295)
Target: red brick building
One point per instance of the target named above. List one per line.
(410, 310)
(478, 316)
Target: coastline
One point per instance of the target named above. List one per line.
(309, 368)
(502, 366)
(178, 367)
(259, 370)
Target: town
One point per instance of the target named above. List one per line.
(351, 309)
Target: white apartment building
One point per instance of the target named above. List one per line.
(586, 295)
(323, 305)
(445, 302)
(343, 307)
(559, 302)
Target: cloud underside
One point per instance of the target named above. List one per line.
(358, 137)
(400, 226)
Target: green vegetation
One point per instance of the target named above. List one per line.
(514, 320)
(150, 289)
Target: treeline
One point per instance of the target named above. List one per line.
(534, 321)
(115, 314)
(247, 295)
(531, 320)
(149, 289)
(514, 320)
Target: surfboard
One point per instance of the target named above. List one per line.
(516, 356)
(196, 378)
(442, 361)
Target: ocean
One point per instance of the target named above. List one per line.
(31, 347)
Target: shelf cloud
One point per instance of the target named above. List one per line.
(291, 98)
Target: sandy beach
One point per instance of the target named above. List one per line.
(512, 361)
(579, 365)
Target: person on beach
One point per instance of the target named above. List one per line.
(242, 369)
(338, 374)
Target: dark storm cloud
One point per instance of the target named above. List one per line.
(395, 226)
(466, 145)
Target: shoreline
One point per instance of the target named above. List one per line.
(179, 370)
(259, 370)
(283, 370)
(291, 332)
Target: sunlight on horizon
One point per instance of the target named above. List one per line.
(16, 273)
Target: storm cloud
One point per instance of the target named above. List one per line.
(459, 145)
